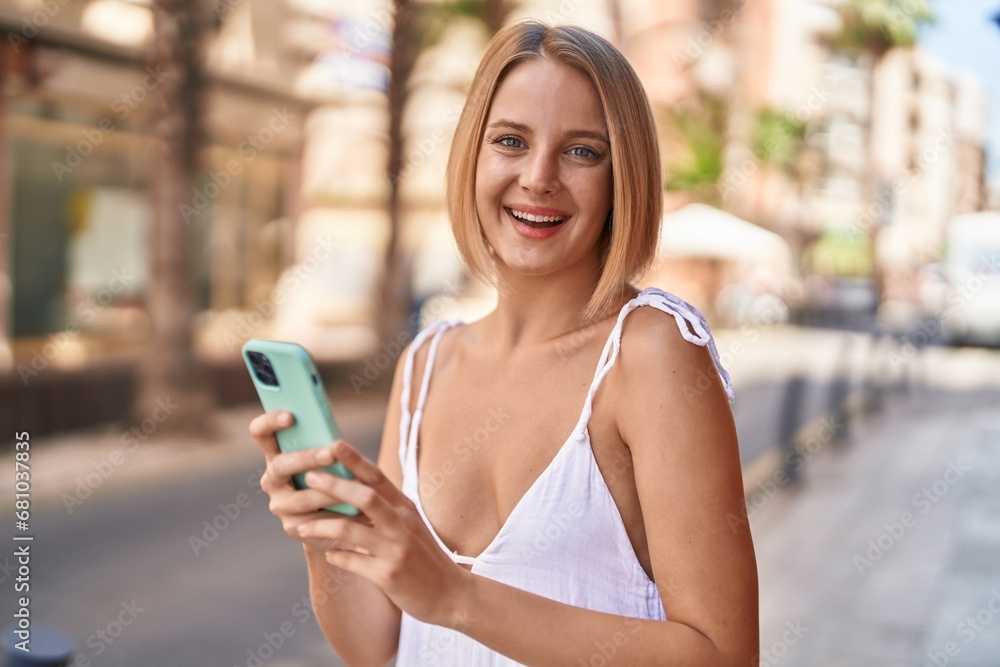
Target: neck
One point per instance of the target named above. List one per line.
(538, 309)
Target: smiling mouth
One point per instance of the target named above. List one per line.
(537, 221)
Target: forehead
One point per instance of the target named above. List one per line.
(543, 91)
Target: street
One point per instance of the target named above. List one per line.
(887, 555)
(166, 555)
(175, 570)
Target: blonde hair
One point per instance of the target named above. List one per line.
(629, 240)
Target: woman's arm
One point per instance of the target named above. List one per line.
(686, 464)
(356, 617)
(365, 632)
(360, 623)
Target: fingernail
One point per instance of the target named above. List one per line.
(324, 457)
(285, 418)
(312, 478)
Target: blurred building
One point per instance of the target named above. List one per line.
(885, 158)
(931, 130)
(291, 201)
(75, 225)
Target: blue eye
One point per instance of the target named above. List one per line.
(584, 152)
(508, 141)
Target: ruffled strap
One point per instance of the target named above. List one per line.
(688, 319)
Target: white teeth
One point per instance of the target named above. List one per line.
(528, 217)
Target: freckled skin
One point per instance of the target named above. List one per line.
(545, 164)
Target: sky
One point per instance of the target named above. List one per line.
(964, 36)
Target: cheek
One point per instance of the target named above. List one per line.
(596, 194)
(606, 192)
(490, 181)
(482, 198)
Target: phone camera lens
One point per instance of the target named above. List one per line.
(262, 368)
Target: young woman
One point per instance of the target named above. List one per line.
(567, 490)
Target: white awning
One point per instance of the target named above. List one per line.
(698, 230)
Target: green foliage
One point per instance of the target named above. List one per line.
(699, 167)
(875, 26)
(843, 253)
(777, 138)
(437, 17)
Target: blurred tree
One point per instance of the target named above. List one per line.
(697, 133)
(779, 145)
(418, 26)
(697, 165)
(169, 372)
(876, 26)
(871, 28)
(777, 139)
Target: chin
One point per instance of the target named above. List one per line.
(528, 267)
(534, 264)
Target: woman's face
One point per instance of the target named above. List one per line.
(543, 176)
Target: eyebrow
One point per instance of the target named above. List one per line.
(572, 134)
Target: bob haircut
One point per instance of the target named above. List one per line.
(628, 242)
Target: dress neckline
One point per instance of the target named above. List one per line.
(580, 433)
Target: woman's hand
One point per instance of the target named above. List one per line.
(387, 544)
(394, 549)
(292, 506)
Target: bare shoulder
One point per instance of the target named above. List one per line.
(657, 362)
(652, 330)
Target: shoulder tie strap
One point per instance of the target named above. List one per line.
(435, 329)
(684, 314)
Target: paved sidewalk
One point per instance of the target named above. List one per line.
(888, 554)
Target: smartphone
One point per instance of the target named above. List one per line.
(286, 379)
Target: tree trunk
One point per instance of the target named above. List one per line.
(395, 277)
(172, 390)
(407, 45)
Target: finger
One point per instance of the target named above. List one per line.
(359, 564)
(263, 428)
(344, 535)
(286, 464)
(355, 492)
(366, 471)
(297, 503)
(281, 468)
(291, 523)
(302, 502)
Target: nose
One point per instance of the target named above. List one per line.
(540, 175)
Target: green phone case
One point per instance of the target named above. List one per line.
(299, 391)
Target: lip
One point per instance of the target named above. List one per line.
(536, 233)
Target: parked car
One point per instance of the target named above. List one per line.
(970, 314)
